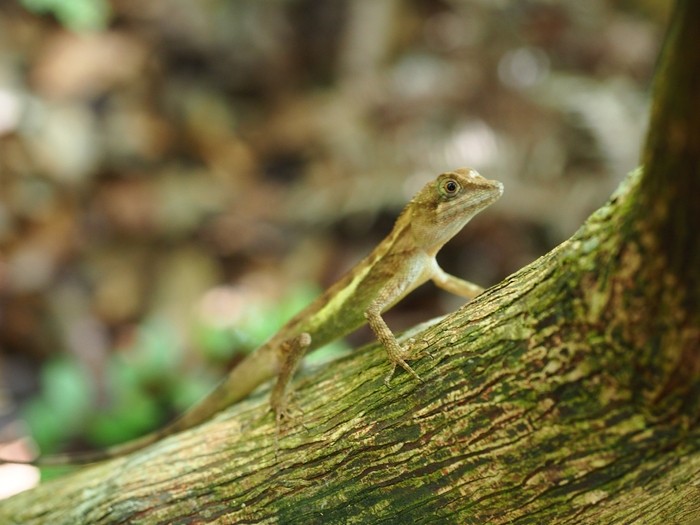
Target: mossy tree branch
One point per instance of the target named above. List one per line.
(569, 393)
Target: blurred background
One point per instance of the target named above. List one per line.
(178, 177)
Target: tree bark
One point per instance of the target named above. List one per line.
(569, 393)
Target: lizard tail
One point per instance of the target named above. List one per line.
(255, 369)
(95, 456)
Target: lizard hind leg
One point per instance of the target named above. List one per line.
(294, 351)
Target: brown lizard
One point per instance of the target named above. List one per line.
(401, 262)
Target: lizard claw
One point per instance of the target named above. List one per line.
(398, 356)
(389, 375)
(284, 412)
(404, 365)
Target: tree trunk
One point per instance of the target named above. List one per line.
(569, 393)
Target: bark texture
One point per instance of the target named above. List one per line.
(569, 393)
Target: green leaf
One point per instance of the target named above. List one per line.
(132, 413)
(60, 411)
(157, 352)
(76, 15)
(193, 389)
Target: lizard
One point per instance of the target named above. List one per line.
(404, 260)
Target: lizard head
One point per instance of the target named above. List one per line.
(445, 205)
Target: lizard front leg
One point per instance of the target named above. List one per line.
(396, 354)
(455, 285)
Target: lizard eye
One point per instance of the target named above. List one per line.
(450, 188)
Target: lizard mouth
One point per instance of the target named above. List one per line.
(489, 194)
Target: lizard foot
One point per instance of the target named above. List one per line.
(399, 356)
(284, 411)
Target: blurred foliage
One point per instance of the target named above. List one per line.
(148, 381)
(256, 324)
(59, 412)
(76, 15)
